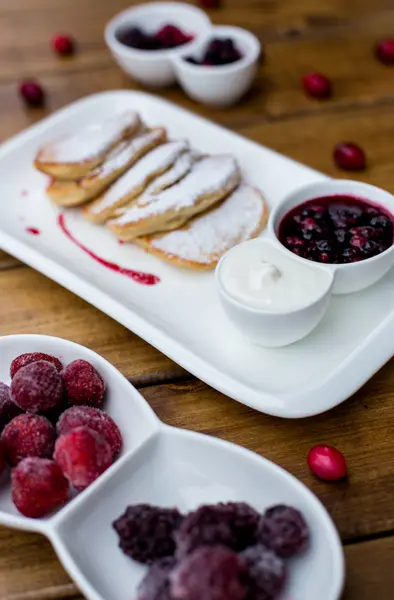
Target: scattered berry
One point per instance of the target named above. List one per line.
(63, 45)
(233, 524)
(349, 157)
(83, 455)
(30, 357)
(37, 387)
(156, 583)
(32, 93)
(2, 457)
(215, 573)
(83, 383)
(28, 435)
(266, 573)
(327, 463)
(146, 533)
(317, 85)
(94, 418)
(8, 409)
(38, 487)
(384, 51)
(283, 530)
(219, 52)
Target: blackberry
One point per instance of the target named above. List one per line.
(283, 529)
(233, 524)
(146, 533)
(266, 573)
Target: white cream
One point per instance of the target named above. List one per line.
(262, 276)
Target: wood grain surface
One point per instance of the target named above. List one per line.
(336, 37)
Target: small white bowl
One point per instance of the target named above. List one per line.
(154, 68)
(219, 85)
(352, 277)
(275, 329)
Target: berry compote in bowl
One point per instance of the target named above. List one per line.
(144, 38)
(220, 67)
(347, 226)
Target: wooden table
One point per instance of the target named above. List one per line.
(332, 36)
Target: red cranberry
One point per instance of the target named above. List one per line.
(38, 487)
(317, 85)
(63, 44)
(25, 359)
(32, 93)
(83, 383)
(8, 410)
(171, 37)
(28, 435)
(327, 463)
(349, 156)
(384, 51)
(37, 387)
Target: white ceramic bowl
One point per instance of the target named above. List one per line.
(352, 277)
(154, 68)
(222, 85)
(275, 329)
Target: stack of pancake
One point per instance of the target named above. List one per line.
(161, 194)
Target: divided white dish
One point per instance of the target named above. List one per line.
(169, 467)
(182, 316)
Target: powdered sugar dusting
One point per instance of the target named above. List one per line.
(159, 159)
(90, 141)
(208, 236)
(210, 174)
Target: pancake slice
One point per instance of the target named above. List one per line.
(211, 179)
(206, 238)
(73, 156)
(135, 180)
(125, 154)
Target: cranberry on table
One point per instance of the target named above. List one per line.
(96, 419)
(25, 359)
(32, 93)
(317, 85)
(266, 572)
(83, 455)
(37, 387)
(384, 51)
(38, 487)
(326, 462)
(28, 435)
(8, 409)
(350, 157)
(63, 44)
(83, 384)
(283, 530)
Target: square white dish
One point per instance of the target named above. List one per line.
(182, 316)
(164, 466)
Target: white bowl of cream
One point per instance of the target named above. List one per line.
(272, 298)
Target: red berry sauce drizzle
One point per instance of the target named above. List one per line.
(137, 276)
(33, 230)
(337, 229)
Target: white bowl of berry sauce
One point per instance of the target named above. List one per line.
(220, 68)
(144, 38)
(346, 226)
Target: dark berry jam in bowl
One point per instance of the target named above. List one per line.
(347, 226)
(220, 67)
(143, 39)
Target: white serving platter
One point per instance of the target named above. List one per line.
(181, 316)
(168, 467)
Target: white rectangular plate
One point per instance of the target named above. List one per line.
(181, 316)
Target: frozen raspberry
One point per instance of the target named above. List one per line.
(233, 524)
(83, 455)
(83, 383)
(94, 418)
(283, 529)
(215, 573)
(146, 533)
(266, 573)
(26, 359)
(37, 387)
(38, 487)
(28, 435)
(317, 85)
(2, 457)
(8, 410)
(156, 583)
(63, 44)
(32, 93)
